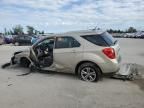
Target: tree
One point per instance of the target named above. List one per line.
(30, 30)
(42, 32)
(131, 30)
(5, 31)
(11, 32)
(110, 31)
(36, 32)
(114, 31)
(18, 30)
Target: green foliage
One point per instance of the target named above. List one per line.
(130, 30)
(18, 30)
(42, 32)
(38, 32)
(30, 30)
(115, 31)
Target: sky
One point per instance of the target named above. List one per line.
(67, 15)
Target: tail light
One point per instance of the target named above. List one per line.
(109, 52)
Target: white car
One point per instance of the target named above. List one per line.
(88, 54)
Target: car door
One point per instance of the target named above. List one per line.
(34, 51)
(65, 53)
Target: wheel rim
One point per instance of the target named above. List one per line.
(88, 74)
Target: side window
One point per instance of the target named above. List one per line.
(66, 42)
(95, 39)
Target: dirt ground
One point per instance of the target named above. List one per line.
(59, 90)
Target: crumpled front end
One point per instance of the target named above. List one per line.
(15, 59)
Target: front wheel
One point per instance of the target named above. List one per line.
(89, 72)
(24, 62)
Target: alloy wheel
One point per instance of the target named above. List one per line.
(88, 74)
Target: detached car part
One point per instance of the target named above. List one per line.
(128, 71)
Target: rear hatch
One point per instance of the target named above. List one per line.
(113, 43)
(105, 40)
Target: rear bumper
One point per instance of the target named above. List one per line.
(111, 66)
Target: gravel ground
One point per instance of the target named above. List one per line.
(57, 90)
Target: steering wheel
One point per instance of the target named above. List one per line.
(42, 49)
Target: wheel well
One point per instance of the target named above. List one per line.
(25, 60)
(76, 69)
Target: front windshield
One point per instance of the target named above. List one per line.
(49, 42)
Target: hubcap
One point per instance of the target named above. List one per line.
(88, 74)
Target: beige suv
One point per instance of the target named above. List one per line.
(88, 54)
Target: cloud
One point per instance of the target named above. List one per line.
(62, 15)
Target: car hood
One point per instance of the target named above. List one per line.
(27, 50)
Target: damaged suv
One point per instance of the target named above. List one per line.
(88, 54)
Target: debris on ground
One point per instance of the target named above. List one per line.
(9, 84)
(31, 67)
(5, 65)
(25, 74)
(128, 71)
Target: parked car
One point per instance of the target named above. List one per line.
(35, 38)
(142, 36)
(1, 40)
(88, 54)
(22, 40)
(8, 39)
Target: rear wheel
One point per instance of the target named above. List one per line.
(89, 72)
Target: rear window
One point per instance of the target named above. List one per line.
(104, 39)
(108, 38)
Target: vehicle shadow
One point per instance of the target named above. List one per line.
(21, 71)
(24, 72)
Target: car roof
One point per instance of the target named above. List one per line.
(73, 33)
(78, 33)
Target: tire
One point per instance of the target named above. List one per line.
(24, 62)
(89, 72)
